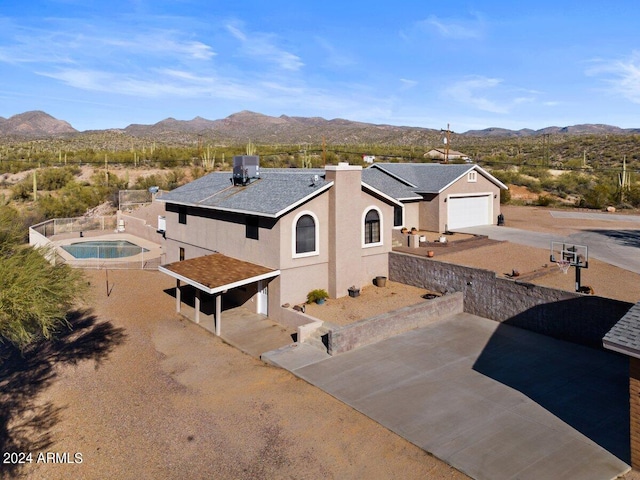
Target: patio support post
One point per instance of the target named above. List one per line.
(218, 313)
(178, 300)
(197, 306)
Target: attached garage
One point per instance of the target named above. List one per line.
(451, 196)
(469, 211)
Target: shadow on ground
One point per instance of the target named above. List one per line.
(628, 238)
(26, 422)
(584, 387)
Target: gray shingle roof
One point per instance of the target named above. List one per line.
(389, 185)
(624, 336)
(427, 177)
(276, 191)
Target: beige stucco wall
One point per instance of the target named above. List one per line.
(351, 263)
(463, 186)
(412, 214)
(202, 236)
(430, 215)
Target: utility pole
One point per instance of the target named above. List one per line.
(324, 151)
(447, 141)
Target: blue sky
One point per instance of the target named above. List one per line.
(470, 64)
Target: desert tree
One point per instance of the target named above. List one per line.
(35, 296)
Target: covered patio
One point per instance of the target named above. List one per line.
(209, 278)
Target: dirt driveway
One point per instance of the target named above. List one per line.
(148, 395)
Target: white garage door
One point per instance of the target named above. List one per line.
(469, 211)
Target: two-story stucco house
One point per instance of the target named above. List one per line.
(271, 239)
(266, 237)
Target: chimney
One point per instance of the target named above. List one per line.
(345, 231)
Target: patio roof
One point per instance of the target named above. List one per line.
(216, 273)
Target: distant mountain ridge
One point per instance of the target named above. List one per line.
(34, 124)
(245, 125)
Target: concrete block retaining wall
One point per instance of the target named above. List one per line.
(577, 318)
(374, 329)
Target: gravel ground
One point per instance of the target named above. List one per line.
(372, 301)
(172, 401)
(146, 394)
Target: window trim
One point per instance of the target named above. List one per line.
(472, 176)
(294, 224)
(381, 226)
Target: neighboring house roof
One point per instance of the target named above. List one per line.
(276, 192)
(442, 152)
(624, 336)
(431, 177)
(217, 272)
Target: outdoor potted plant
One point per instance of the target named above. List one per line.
(353, 291)
(318, 295)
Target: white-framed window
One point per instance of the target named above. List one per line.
(371, 227)
(305, 235)
(472, 176)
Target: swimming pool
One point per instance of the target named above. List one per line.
(103, 249)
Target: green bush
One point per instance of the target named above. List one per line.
(544, 200)
(317, 294)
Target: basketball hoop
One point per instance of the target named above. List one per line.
(564, 265)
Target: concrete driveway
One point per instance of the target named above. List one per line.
(494, 401)
(620, 248)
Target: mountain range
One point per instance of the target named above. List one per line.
(244, 126)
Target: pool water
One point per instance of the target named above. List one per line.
(103, 249)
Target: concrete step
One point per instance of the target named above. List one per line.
(318, 338)
(316, 342)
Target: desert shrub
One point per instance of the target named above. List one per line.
(170, 180)
(73, 200)
(505, 196)
(598, 196)
(22, 191)
(544, 200)
(55, 178)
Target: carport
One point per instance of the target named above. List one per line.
(215, 275)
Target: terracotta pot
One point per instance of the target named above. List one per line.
(430, 253)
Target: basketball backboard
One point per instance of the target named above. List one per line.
(576, 255)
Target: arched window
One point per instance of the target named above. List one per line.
(305, 234)
(372, 227)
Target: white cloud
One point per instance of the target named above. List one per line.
(623, 75)
(408, 84)
(157, 83)
(335, 57)
(458, 29)
(481, 92)
(263, 46)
